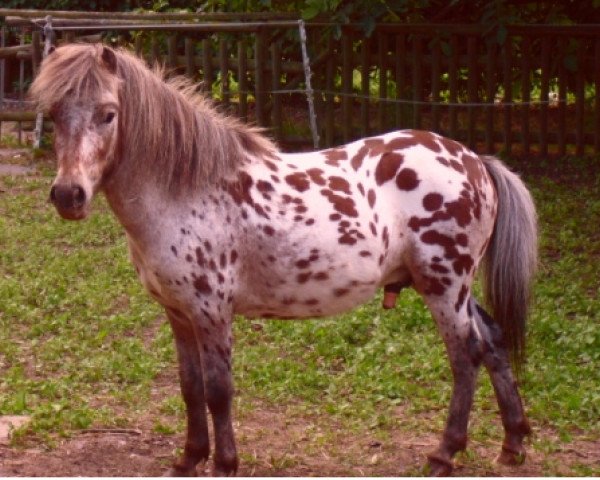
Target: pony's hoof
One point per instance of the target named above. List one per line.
(225, 468)
(179, 471)
(439, 467)
(511, 457)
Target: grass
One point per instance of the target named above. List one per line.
(81, 343)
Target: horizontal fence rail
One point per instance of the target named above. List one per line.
(532, 95)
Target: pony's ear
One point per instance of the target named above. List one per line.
(110, 59)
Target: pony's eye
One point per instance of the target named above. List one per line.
(109, 117)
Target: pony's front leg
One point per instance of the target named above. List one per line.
(215, 338)
(197, 446)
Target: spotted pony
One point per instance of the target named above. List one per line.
(220, 222)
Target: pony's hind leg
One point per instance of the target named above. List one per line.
(197, 446)
(447, 298)
(496, 361)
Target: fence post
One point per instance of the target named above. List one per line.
(526, 91)
(172, 51)
(224, 69)
(471, 89)
(381, 60)
(435, 84)
(190, 59)
(417, 54)
(597, 97)
(329, 100)
(243, 79)
(347, 85)
(579, 99)
(260, 58)
(400, 79)
(562, 98)
(507, 78)
(453, 84)
(490, 92)
(207, 67)
(544, 95)
(365, 68)
(276, 82)
(2, 71)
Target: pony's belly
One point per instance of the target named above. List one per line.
(308, 301)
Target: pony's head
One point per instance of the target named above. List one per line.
(78, 88)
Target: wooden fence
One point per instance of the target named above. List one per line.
(532, 94)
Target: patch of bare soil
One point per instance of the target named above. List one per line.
(271, 444)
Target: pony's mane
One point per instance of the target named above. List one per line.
(167, 129)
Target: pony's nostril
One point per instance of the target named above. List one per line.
(53, 194)
(78, 196)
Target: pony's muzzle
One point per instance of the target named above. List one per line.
(69, 200)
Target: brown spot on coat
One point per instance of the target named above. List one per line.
(202, 285)
(339, 184)
(407, 179)
(452, 147)
(358, 158)
(316, 175)
(298, 181)
(432, 201)
(388, 166)
(340, 292)
(344, 205)
(371, 197)
(200, 259)
(334, 156)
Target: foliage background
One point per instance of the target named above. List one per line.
(364, 11)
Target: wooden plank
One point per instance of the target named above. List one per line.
(276, 84)
(471, 89)
(346, 85)
(453, 85)
(382, 39)
(597, 97)
(172, 51)
(260, 59)
(207, 66)
(36, 51)
(21, 86)
(490, 93)
(417, 58)
(400, 79)
(508, 98)
(190, 59)
(365, 70)
(580, 99)
(525, 92)
(544, 96)
(138, 45)
(329, 97)
(152, 16)
(436, 58)
(224, 70)
(17, 116)
(562, 97)
(2, 70)
(243, 78)
(154, 50)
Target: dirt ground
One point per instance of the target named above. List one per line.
(270, 446)
(273, 442)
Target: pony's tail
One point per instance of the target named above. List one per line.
(510, 261)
